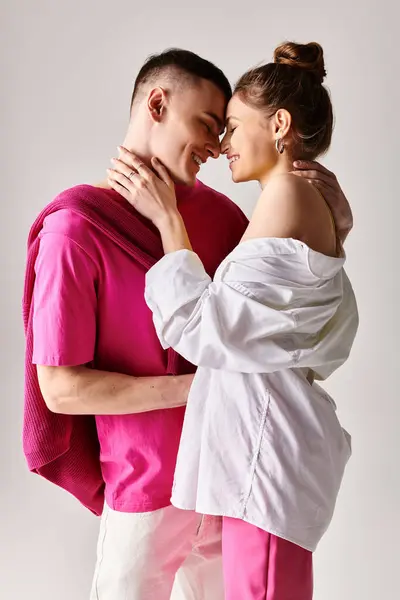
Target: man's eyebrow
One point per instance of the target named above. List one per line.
(219, 123)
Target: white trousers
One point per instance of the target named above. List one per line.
(169, 554)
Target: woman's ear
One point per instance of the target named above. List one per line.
(282, 122)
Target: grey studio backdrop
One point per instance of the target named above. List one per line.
(67, 70)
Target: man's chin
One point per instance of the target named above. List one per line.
(187, 181)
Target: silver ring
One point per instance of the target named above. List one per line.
(130, 175)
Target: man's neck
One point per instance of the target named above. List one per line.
(133, 143)
(138, 144)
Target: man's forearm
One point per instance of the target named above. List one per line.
(83, 391)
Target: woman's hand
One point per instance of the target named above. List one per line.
(151, 195)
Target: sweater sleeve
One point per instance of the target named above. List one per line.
(64, 298)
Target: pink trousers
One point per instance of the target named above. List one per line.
(260, 566)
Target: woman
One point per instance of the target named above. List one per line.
(261, 444)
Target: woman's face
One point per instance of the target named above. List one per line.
(249, 142)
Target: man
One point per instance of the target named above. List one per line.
(89, 311)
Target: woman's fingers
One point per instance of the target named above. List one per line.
(162, 172)
(118, 188)
(132, 161)
(122, 184)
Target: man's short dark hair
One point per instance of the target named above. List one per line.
(180, 63)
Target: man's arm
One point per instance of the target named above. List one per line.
(84, 391)
(65, 330)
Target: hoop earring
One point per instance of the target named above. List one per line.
(280, 145)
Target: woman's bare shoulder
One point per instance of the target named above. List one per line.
(290, 207)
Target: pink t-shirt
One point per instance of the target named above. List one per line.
(89, 308)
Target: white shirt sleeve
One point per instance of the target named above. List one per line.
(262, 314)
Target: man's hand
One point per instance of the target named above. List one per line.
(325, 181)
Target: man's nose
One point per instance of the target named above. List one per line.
(214, 149)
(224, 146)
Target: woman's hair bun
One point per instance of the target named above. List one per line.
(309, 57)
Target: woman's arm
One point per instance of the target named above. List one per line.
(259, 315)
(174, 235)
(243, 324)
(253, 319)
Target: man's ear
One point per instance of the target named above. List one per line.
(157, 103)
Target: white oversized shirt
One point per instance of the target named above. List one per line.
(260, 441)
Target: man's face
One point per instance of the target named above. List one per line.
(188, 132)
